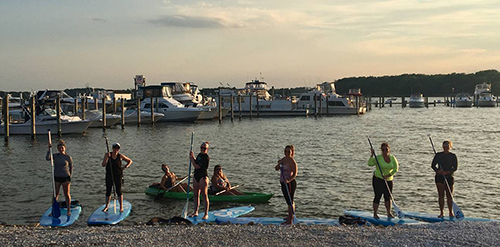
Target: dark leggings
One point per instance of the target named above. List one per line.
(380, 188)
(118, 184)
(291, 187)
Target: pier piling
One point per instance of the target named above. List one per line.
(58, 109)
(123, 112)
(104, 113)
(6, 117)
(33, 126)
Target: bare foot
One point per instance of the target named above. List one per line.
(121, 210)
(440, 216)
(376, 216)
(390, 215)
(105, 209)
(287, 223)
(68, 213)
(205, 217)
(194, 215)
(452, 215)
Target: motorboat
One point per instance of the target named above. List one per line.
(187, 94)
(324, 99)
(483, 96)
(47, 120)
(416, 101)
(463, 100)
(131, 116)
(96, 117)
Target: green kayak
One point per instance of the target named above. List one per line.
(248, 197)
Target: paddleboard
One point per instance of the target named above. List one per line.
(433, 217)
(276, 221)
(98, 217)
(384, 220)
(226, 213)
(63, 220)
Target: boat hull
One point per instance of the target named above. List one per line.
(249, 197)
(42, 128)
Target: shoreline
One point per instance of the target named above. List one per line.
(433, 234)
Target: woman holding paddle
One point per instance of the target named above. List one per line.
(168, 180)
(289, 170)
(63, 169)
(382, 181)
(445, 164)
(114, 172)
(200, 182)
(220, 184)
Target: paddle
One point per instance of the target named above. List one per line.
(399, 213)
(294, 219)
(160, 195)
(184, 211)
(222, 191)
(112, 176)
(56, 209)
(459, 215)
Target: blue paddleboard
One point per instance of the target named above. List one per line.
(276, 221)
(226, 213)
(63, 220)
(384, 220)
(98, 217)
(434, 217)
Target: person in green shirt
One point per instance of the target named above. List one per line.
(382, 181)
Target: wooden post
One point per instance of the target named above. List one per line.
(403, 102)
(220, 108)
(138, 111)
(232, 108)
(6, 117)
(75, 109)
(123, 113)
(96, 104)
(257, 105)
(33, 109)
(390, 103)
(320, 104)
(104, 113)
(87, 103)
(357, 104)
(426, 102)
(383, 101)
(315, 107)
(152, 110)
(239, 105)
(84, 103)
(272, 93)
(114, 104)
(327, 107)
(58, 109)
(250, 95)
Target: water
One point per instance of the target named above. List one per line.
(331, 153)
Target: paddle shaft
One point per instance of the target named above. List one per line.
(184, 212)
(56, 211)
(111, 169)
(222, 191)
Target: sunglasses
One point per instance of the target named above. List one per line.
(203, 148)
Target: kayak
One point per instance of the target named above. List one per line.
(225, 213)
(384, 220)
(248, 197)
(63, 220)
(433, 217)
(111, 216)
(276, 221)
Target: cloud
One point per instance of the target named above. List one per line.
(184, 21)
(96, 19)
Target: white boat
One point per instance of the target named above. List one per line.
(96, 117)
(45, 121)
(463, 100)
(483, 96)
(331, 102)
(416, 101)
(173, 110)
(131, 117)
(187, 94)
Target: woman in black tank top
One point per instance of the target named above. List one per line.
(201, 181)
(114, 172)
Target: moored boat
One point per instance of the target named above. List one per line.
(416, 101)
(483, 96)
(248, 197)
(463, 100)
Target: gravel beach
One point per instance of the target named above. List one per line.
(437, 234)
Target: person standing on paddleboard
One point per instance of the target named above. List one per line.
(380, 181)
(445, 163)
(289, 169)
(114, 170)
(63, 169)
(201, 180)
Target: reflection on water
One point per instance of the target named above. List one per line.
(331, 153)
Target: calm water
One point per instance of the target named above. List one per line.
(331, 152)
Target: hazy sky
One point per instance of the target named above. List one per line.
(61, 44)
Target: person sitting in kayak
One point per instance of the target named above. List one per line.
(168, 180)
(221, 184)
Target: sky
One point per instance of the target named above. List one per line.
(58, 44)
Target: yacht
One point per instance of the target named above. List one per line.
(416, 101)
(463, 100)
(187, 93)
(483, 96)
(331, 102)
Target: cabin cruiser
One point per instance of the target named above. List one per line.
(463, 100)
(416, 101)
(324, 99)
(188, 94)
(131, 117)
(47, 120)
(483, 96)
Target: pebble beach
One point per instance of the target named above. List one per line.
(437, 234)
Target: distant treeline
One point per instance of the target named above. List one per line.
(428, 85)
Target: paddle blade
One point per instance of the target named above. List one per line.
(56, 210)
(459, 215)
(184, 211)
(295, 221)
(398, 211)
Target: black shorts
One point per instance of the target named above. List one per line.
(62, 179)
(439, 179)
